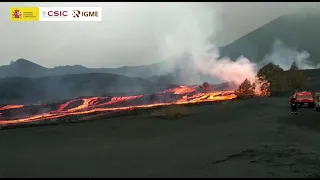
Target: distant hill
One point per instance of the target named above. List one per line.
(26, 68)
(299, 31)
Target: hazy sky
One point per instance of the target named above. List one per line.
(131, 33)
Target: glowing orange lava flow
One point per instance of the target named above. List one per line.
(179, 95)
(11, 107)
(180, 90)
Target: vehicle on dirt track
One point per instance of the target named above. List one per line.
(304, 98)
(317, 101)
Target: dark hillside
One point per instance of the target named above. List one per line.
(15, 90)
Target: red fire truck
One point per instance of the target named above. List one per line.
(304, 98)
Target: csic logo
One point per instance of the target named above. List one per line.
(16, 14)
(78, 13)
(55, 13)
(68, 13)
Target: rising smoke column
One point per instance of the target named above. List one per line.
(284, 56)
(195, 25)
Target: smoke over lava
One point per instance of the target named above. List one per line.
(190, 35)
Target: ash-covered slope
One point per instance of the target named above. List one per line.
(18, 90)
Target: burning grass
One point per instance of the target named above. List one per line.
(171, 112)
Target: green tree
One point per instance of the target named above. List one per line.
(269, 71)
(274, 74)
(246, 89)
(264, 86)
(294, 66)
(280, 80)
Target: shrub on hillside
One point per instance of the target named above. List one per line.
(246, 89)
(275, 75)
(282, 81)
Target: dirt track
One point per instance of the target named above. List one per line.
(253, 138)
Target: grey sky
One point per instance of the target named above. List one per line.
(131, 33)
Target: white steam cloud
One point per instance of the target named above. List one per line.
(191, 28)
(191, 33)
(226, 69)
(284, 56)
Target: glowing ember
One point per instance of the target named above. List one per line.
(179, 95)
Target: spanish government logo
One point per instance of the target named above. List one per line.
(24, 14)
(16, 14)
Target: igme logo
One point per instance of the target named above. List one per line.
(78, 13)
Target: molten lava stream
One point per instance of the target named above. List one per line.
(7, 107)
(100, 104)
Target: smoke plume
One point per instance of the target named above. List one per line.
(191, 33)
(284, 56)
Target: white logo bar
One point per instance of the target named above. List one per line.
(70, 14)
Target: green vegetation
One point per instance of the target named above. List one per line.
(280, 81)
(246, 89)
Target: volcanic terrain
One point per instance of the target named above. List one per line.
(239, 138)
(119, 127)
